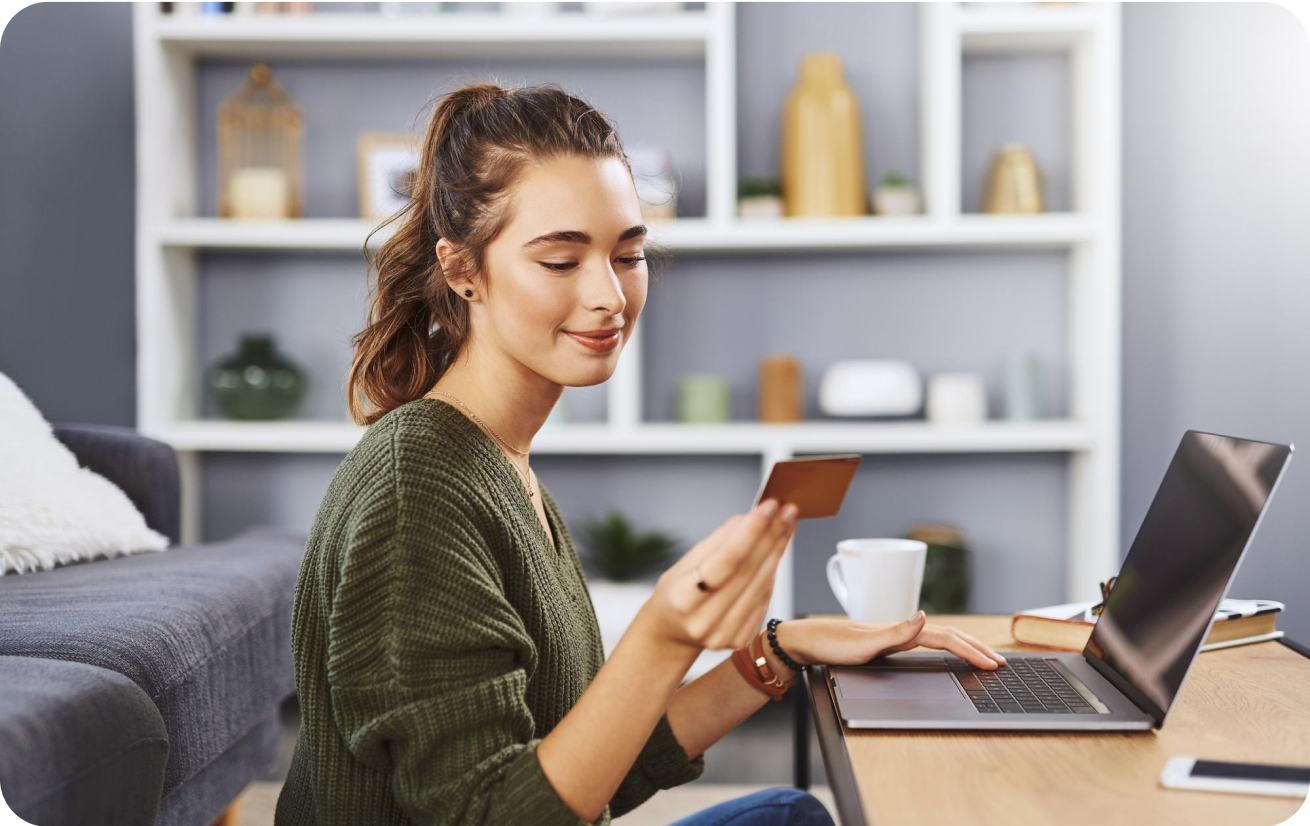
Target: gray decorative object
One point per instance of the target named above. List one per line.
(1023, 386)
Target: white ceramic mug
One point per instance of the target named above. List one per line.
(878, 579)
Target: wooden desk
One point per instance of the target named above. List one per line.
(1250, 703)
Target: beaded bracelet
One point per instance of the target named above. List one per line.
(773, 641)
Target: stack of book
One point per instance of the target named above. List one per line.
(1067, 627)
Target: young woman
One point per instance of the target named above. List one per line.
(447, 656)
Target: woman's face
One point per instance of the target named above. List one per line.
(570, 260)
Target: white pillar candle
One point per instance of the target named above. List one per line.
(258, 192)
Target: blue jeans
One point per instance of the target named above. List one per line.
(781, 806)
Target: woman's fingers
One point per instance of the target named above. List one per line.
(709, 544)
(966, 650)
(735, 584)
(947, 639)
(982, 647)
(745, 615)
(976, 656)
(728, 608)
(702, 609)
(766, 593)
(742, 548)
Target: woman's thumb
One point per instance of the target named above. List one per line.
(910, 628)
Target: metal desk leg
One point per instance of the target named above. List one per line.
(801, 738)
(800, 695)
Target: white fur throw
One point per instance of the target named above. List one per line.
(51, 510)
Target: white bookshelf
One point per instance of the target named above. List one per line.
(698, 235)
(657, 439)
(362, 35)
(171, 236)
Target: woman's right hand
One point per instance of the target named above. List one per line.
(738, 561)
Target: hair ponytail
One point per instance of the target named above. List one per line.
(477, 144)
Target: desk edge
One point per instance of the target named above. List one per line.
(1295, 646)
(832, 743)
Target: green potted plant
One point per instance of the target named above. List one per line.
(895, 195)
(759, 197)
(619, 552)
(623, 558)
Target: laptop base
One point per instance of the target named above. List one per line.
(917, 690)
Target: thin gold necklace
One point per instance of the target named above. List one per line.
(527, 476)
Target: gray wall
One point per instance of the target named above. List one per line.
(1217, 259)
(68, 210)
(1215, 185)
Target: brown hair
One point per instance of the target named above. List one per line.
(478, 143)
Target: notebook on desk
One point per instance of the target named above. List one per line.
(1067, 627)
(1136, 659)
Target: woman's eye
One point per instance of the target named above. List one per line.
(631, 262)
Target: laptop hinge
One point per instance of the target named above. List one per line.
(1127, 689)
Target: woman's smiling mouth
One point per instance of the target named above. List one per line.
(597, 341)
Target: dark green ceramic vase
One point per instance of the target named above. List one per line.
(257, 382)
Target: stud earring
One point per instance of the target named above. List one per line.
(468, 292)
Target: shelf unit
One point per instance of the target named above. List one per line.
(690, 235)
(653, 439)
(171, 234)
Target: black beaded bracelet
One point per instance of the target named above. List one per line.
(773, 641)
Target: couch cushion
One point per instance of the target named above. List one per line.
(78, 745)
(200, 800)
(144, 468)
(52, 511)
(204, 630)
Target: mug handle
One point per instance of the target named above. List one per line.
(835, 581)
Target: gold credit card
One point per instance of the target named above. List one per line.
(817, 484)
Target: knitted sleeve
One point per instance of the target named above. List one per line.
(662, 764)
(426, 663)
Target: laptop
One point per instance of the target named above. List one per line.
(1205, 512)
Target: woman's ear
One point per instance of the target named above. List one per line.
(444, 249)
(445, 255)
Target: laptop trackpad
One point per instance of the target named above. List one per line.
(896, 683)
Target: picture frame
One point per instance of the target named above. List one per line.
(388, 167)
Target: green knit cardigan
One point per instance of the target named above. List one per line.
(437, 636)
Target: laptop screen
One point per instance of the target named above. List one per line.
(1181, 561)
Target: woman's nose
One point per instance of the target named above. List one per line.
(602, 290)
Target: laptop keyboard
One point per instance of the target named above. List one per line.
(1025, 685)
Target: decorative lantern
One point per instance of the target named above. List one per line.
(261, 132)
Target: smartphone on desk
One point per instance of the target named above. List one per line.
(817, 484)
(1186, 772)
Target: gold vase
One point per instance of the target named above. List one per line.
(1013, 181)
(822, 146)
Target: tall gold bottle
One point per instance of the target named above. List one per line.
(822, 145)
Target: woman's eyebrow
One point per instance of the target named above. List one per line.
(577, 236)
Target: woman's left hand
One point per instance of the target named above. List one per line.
(848, 642)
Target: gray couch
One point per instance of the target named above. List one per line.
(144, 689)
